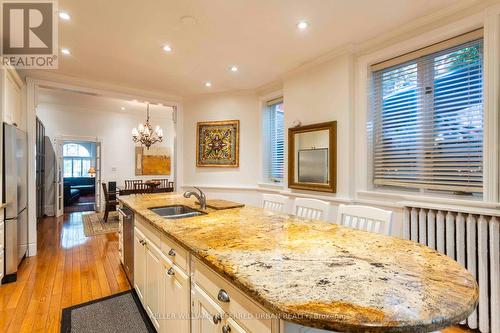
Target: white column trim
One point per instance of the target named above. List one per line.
(31, 130)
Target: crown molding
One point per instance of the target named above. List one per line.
(106, 89)
(245, 92)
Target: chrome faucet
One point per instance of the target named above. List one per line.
(202, 199)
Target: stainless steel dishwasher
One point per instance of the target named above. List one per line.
(128, 242)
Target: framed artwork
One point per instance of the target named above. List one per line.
(218, 144)
(155, 161)
(312, 157)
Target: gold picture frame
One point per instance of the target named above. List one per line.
(331, 184)
(218, 144)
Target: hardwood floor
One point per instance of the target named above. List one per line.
(84, 204)
(69, 269)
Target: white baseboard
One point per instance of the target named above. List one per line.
(31, 250)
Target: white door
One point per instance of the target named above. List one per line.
(139, 264)
(175, 298)
(208, 317)
(154, 278)
(59, 178)
(98, 180)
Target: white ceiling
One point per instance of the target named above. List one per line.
(98, 103)
(120, 41)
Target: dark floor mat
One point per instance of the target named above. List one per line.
(121, 312)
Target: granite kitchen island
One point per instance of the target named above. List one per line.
(309, 272)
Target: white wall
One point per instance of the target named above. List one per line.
(113, 129)
(320, 94)
(239, 106)
(317, 95)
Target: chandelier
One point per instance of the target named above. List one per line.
(145, 135)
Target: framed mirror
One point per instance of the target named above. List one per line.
(312, 157)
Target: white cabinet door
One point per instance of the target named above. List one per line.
(208, 317)
(154, 281)
(13, 112)
(175, 295)
(139, 264)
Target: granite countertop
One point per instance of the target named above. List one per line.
(319, 274)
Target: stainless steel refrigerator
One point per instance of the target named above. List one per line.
(15, 196)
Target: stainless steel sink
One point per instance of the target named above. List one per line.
(176, 211)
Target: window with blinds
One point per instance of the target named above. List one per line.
(274, 144)
(427, 118)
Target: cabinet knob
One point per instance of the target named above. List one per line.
(171, 271)
(226, 329)
(171, 252)
(223, 296)
(217, 319)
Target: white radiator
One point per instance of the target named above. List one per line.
(469, 236)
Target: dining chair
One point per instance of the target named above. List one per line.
(140, 188)
(274, 202)
(164, 183)
(365, 218)
(110, 201)
(311, 208)
(130, 184)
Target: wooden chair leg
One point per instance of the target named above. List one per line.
(106, 212)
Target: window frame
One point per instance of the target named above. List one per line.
(363, 189)
(77, 159)
(424, 66)
(267, 153)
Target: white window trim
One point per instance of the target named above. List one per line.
(489, 19)
(264, 182)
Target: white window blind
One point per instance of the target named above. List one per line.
(427, 120)
(273, 131)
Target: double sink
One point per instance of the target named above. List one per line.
(176, 211)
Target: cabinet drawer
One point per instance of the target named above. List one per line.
(176, 253)
(241, 308)
(148, 230)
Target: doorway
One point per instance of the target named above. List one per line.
(76, 114)
(79, 176)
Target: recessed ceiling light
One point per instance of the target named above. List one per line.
(188, 20)
(234, 68)
(123, 108)
(208, 84)
(65, 16)
(167, 48)
(302, 25)
(65, 51)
